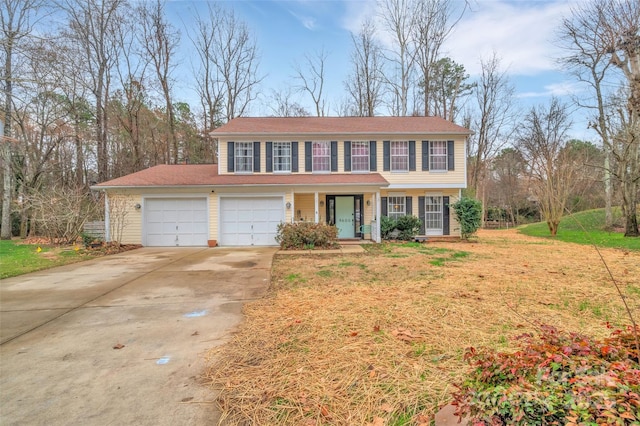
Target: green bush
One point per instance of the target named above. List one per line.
(409, 226)
(387, 226)
(555, 379)
(404, 228)
(469, 215)
(307, 235)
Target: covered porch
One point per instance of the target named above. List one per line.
(354, 211)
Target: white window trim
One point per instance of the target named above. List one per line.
(431, 157)
(273, 157)
(328, 156)
(368, 145)
(236, 157)
(404, 204)
(391, 157)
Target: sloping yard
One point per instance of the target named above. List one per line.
(378, 338)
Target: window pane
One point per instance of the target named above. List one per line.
(400, 156)
(360, 156)
(438, 155)
(321, 156)
(433, 213)
(244, 156)
(395, 207)
(282, 156)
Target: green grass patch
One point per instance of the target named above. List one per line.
(325, 273)
(594, 232)
(17, 259)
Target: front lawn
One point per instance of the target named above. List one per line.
(17, 258)
(378, 338)
(587, 227)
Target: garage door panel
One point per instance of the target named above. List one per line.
(250, 221)
(176, 222)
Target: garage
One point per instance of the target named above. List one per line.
(250, 221)
(171, 222)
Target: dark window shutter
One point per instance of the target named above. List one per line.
(256, 156)
(445, 216)
(307, 157)
(412, 156)
(408, 208)
(425, 155)
(268, 155)
(334, 156)
(421, 201)
(450, 156)
(373, 156)
(347, 156)
(294, 157)
(383, 206)
(386, 155)
(231, 163)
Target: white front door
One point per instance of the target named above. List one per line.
(175, 222)
(250, 221)
(433, 215)
(345, 217)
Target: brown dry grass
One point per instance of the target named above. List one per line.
(378, 338)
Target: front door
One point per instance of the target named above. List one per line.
(345, 217)
(345, 212)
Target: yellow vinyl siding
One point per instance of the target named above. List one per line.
(455, 177)
(213, 217)
(125, 221)
(305, 204)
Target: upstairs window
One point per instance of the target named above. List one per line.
(360, 156)
(321, 156)
(399, 156)
(438, 156)
(282, 156)
(243, 157)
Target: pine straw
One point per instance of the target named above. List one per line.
(378, 338)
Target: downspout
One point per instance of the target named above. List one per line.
(107, 220)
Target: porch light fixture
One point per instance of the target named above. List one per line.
(368, 202)
(137, 206)
(321, 203)
(288, 205)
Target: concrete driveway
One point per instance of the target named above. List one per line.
(58, 330)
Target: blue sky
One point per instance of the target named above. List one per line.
(521, 32)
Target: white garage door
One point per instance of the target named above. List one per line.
(250, 221)
(176, 222)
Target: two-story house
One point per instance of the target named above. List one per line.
(347, 171)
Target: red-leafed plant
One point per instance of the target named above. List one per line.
(555, 378)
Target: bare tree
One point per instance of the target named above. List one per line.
(364, 83)
(93, 26)
(399, 20)
(542, 138)
(493, 120)
(600, 37)
(228, 65)
(17, 18)
(160, 41)
(311, 80)
(282, 105)
(432, 27)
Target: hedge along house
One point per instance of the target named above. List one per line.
(346, 171)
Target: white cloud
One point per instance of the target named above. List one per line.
(308, 22)
(521, 33)
(564, 88)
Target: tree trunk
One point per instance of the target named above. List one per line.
(5, 231)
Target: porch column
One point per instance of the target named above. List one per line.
(315, 201)
(378, 208)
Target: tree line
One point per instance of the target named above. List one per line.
(89, 95)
